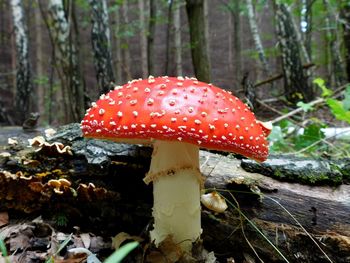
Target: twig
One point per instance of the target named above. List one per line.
(278, 76)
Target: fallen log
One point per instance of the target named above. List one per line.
(305, 223)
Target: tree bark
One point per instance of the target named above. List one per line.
(143, 38)
(24, 86)
(200, 57)
(345, 14)
(66, 61)
(151, 35)
(337, 72)
(41, 78)
(295, 81)
(101, 45)
(116, 44)
(256, 37)
(125, 42)
(177, 38)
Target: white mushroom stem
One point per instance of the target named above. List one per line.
(177, 183)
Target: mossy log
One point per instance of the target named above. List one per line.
(300, 220)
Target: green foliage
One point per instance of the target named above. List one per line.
(3, 250)
(305, 106)
(288, 137)
(121, 253)
(312, 133)
(340, 109)
(322, 85)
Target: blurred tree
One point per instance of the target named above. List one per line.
(151, 35)
(124, 40)
(256, 37)
(173, 38)
(24, 86)
(337, 71)
(235, 45)
(58, 21)
(345, 14)
(143, 37)
(295, 81)
(101, 45)
(199, 42)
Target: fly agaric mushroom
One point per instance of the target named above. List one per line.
(178, 116)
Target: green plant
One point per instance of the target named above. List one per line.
(121, 253)
(4, 250)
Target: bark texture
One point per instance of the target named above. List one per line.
(151, 35)
(256, 37)
(295, 81)
(101, 45)
(199, 42)
(67, 64)
(143, 38)
(346, 31)
(24, 85)
(337, 71)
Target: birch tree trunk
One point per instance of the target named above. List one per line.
(256, 37)
(24, 87)
(346, 36)
(66, 61)
(151, 34)
(101, 45)
(200, 57)
(295, 82)
(143, 38)
(40, 86)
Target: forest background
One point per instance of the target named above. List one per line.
(57, 56)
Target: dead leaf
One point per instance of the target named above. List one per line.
(4, 218)
(168, 251)
(85, 237)
(122, 237)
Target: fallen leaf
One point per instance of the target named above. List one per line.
(122, 237)
(4, 218)
(85, 237)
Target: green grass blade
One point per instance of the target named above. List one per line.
(121, 253)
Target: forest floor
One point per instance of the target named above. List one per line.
(97, 208)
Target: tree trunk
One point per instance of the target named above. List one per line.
(101, 45)
(295, 82)
(199, 42)
(24, 87)
(346, 36)
(116, 44)
(40, 75)
(66, 61)
(177, 38)
(125, 42)
(143, 38)
(337, 70)
(256, 37)
(151, 35)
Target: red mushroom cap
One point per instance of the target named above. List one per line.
(177, 109)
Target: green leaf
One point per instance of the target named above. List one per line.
(121, 253)
(311, 134)
(305, 106)
(321, 84)
(338, 110)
